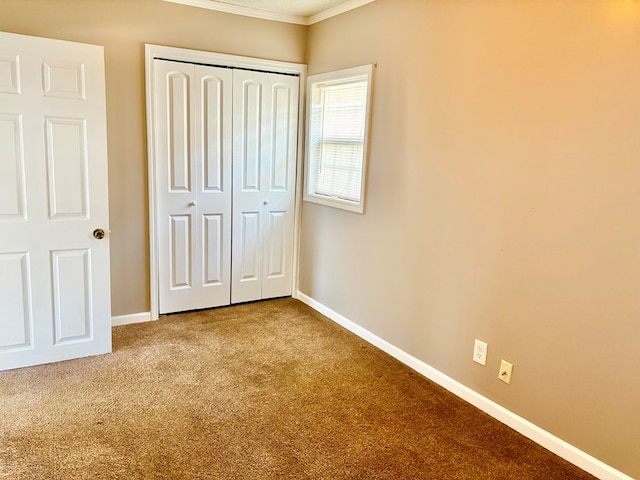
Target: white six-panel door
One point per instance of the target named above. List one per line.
(54, 275)
(264, 158)
(226, 150)
(193, 145)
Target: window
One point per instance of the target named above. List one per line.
(337, 133)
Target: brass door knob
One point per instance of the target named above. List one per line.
(98, 233)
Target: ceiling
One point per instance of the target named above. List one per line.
(303, 12)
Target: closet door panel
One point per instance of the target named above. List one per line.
(213, 156)
(174, 88)
(249, 130)
(279, 173)
(265, 152)
(193, 154)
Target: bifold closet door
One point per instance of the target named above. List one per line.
(226, 150)
(193, 146)
(265, 129)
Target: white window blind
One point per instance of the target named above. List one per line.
(337, 137)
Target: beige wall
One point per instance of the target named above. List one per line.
(504, 203)
(123, 27)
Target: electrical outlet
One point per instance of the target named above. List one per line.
(505, 371)
(480, 352)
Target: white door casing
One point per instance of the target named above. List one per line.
(265, 125)
(279, 267)
(193, 145)
(54, 275)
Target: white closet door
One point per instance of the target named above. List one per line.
(265, 125)
(193, 153)
(54, 275)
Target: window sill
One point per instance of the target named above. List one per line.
(356, 207)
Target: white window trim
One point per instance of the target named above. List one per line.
(337, 76)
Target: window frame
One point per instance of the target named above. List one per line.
(339, 77)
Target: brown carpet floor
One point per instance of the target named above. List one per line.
(268, 390)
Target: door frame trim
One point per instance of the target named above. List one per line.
(233, 61)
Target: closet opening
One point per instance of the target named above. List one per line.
(225, 149)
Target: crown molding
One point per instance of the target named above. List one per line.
(244, 11)
(278, 17)
(337, 10)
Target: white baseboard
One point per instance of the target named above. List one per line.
(542, 437)
(128, 319)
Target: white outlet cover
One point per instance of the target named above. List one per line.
(480, 352)
(505, 371)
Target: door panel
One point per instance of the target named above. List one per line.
(276, 245)
(180, 248)
(63, 79)
(12, 168)
(9, 73)
(16, 321)
(193, 153)
(71, 295)
(265, 138)
(213, 144)
(282, 133)
(67, 166)
(213, 251)
(54, 280)
(248, 247)
(278, 258)
(178, 132)
(250, 132)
